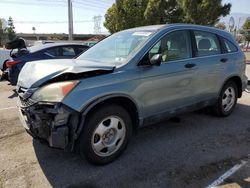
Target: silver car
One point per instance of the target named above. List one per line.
(133, 78)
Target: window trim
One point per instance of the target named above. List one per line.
(139, 64)
(194, 45)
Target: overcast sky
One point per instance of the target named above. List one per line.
(28, 13)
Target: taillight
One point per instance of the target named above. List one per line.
(12, 62)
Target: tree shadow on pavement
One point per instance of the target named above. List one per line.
(162, 155)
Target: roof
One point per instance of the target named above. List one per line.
(177, 25)
(147, 28)
(155, 28)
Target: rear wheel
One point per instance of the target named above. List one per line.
(105, 134)
(227, 100)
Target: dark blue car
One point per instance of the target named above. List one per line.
(41, 52)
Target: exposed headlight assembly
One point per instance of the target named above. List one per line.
(54, 92)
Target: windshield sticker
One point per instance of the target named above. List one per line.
(146, 34)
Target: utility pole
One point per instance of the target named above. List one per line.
(97, 24)
(70, 15)
(239, 25)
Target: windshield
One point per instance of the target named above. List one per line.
(116, 48)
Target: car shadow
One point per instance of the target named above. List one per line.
(161, 155)
(14, 95)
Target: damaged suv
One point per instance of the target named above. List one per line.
(133, 78)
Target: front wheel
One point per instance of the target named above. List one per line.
(227, 100)
(105, 134)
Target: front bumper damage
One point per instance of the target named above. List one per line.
(55, 123)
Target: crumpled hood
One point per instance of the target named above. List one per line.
(35, 73)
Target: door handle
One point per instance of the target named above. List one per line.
(190, 65)
(224, 60)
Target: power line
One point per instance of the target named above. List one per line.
(30, 3)
(103, 3)
(50, 22)
(86, 4)
(80, 5)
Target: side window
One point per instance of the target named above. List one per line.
(173, 46)
(207, 43)
(52, 52)
(80, 49)
(230, 47)
(68, 51)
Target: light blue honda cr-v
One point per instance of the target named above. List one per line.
(133, 78)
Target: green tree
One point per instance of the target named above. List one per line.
(10, 29)
(246, 25)
(125, 14)
(162, 11)
(1, 32)
(132, 13)
(204, 12)
(220, 25)
(111, 19)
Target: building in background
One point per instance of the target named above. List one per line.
(32, 38)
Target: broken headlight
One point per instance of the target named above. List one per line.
(54, 92)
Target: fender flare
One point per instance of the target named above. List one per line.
(97, 101)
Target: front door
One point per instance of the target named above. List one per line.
(166, 88)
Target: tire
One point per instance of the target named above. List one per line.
(227, 100)
(105, 134)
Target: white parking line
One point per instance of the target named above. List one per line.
(226, 175)
(12, 107)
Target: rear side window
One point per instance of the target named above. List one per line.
(79, 50)
(68, 51)
(229, 46)
(207, 43)
(52, 52)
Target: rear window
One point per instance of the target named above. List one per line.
(229, 46)
(207, 43)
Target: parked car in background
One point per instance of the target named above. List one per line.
(247, 47)
(4, 55)
(40, 42)
(42, 52)
(131, 79)
(90, 43)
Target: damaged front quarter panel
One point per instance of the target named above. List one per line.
(48, 71)
(55, 123)
(77, 76)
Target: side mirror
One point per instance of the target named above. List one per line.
(156, 60)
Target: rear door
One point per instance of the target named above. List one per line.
(168, 87)
(209, 63)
